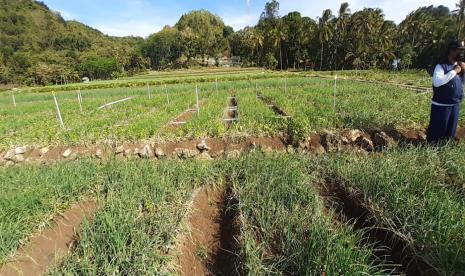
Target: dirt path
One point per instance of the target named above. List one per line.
(209, 247)
(46, 249)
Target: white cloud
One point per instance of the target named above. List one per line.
(127, 28)
(239, 21)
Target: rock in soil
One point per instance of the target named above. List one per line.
(159, 153)
(350, 136)
(185, 153)
(43, 151)
(19, 158)
(365, 143)
(99, 153)
(20, 150)
(202, 146)
(382, 140)
(146, 152)
(67, 153)
(330, 141)
(10, 155)
(119, 150)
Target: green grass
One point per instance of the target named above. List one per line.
(284, 228)
(135, 230)
(31, 195)
(309, 101)
(410, 192)
(408, 77)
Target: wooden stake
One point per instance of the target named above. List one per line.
(60, 119)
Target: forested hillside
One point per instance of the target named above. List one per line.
(37, 46)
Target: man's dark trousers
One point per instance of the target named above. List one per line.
(443, 125)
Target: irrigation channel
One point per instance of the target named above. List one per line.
(281, 114)
(186, 116)
(392, 253)
(210, 247)
(52, 244)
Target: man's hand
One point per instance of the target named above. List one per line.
(462, 66)
(458, 68)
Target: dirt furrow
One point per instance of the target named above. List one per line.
(276, 109)
(45, 250)
(210, 246)
(392, 252)
(184, 117)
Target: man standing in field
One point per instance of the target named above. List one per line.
(448, 82)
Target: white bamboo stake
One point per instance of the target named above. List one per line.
(115, 102)
(148, 91)
(216, 85)
(197, 97)
(256, 90)
(14, 99)
(60, 119)
(334, 93)
(79, 97)
(285, 85)
(167, 96)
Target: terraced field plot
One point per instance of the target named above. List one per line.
(309, 103)
(226, 183)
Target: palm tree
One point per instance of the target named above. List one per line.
(460, 17)
(325, 31)
(257, 39)
(341, 25)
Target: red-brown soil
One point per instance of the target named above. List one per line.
(186, 116)
(46, 249)
(208, 249)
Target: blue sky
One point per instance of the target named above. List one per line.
(143, 17)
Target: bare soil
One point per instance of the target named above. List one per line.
(276, 109)
(186, 116)
(46, 249)
(392, 252)
(210, 247)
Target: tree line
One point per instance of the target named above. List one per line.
(37, 46)
(334, 41)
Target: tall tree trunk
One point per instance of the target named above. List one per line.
(321, 59)
(280, 56)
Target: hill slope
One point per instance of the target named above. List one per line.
(37, 46)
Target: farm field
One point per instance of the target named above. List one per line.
(285, 175)
(419, 78)
(306, 105)
(285, 213)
